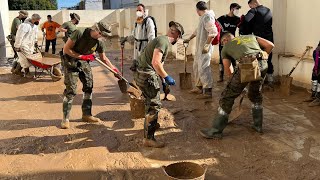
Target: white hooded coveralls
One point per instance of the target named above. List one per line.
(25, 39)
(201, 65)
(147, 33)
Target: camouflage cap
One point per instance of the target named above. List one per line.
(178, 26)
(76, 16)
(24, 13)
(104, 28)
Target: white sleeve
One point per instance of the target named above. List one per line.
(195, 32)
(21, 32)
(211, 27)
(36, 34)
(150, 29)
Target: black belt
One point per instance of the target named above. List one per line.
(140, 40)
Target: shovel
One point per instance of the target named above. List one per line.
(122, 83)
(185, 78)
(132, 89)
(286, 80)
(237, 110)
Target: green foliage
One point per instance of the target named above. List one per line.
(32, 4)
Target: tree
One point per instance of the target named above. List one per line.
(32, 4)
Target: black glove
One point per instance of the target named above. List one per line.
(123, 40)
(36, 45)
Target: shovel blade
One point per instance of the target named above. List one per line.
(285, 87)
(185, 81)
(123, 86)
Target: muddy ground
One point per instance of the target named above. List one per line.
(32, 146)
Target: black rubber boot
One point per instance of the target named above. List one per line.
(150, 127)
(18, 70)
(66, 108)
(316, 101)
(257, 115)
(27, 73)
(14, 65)
(219, 123)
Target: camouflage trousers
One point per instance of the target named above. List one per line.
(149, 84)
(235, 88)
(74, 69)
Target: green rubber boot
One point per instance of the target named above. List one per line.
(219, 123)
(257, 115)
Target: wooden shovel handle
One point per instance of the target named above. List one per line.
(110, 69)
(304, 53)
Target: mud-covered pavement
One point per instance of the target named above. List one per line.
(32, 146)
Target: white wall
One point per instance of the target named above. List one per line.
(4, 31)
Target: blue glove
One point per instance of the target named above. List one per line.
(169, 80)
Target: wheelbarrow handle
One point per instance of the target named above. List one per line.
(110, 69)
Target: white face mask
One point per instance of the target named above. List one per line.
(236, 12)
(139, 14)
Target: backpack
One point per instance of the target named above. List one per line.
(145, 22)
(216, 39)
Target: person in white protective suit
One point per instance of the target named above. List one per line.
(143, 32)
(205, 33)
(26, 41)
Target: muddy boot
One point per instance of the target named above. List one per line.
(207, 94)
(221, 73)
(196, 90)
(152, 143)
(270, 81)
(316, 101)
(27, 73)
(257, 115)
(18, 69)
(14, 65)
(311, 98)
(219, 123)
(150, 127)
(90, 119)
(86, 109)
(65, 124)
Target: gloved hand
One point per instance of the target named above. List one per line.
(205, 49)
(187, 40)
(169, 80)
(36, 45)
(123, 40)
(89, 57)
(118, 75)
(165, 88)
(17, 49)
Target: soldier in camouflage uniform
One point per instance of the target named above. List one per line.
(148, 68)
(240, 48)
(78, 52)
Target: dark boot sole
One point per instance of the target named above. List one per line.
(216, 136)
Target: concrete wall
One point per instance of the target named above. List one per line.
(4, 31)
(93, 5)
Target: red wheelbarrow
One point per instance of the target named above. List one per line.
(44, 62)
